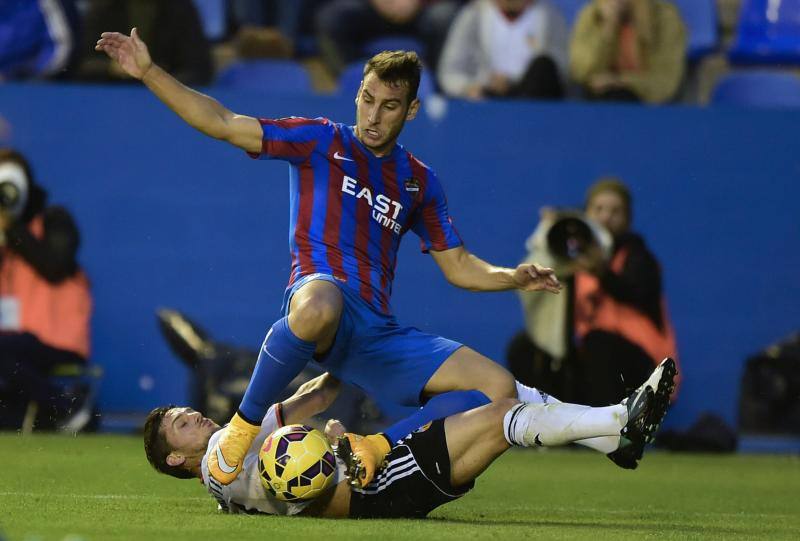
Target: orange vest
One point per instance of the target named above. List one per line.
(57, 314)
(596, 310)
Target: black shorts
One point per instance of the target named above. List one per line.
(415, 482)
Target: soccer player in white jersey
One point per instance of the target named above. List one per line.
(434, 465)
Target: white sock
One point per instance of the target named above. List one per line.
(532, 395)
(551, 425)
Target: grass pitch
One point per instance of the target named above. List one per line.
(100, 488)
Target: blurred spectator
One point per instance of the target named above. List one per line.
(629, 50)
(505, 48)
(271, 28)
(45, 303)
(172, 30)
(267, 28)
(38, 39)
(345, 26)
(611, 327)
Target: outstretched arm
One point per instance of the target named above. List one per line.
(198, 110)
(468, 271)
(313, 397)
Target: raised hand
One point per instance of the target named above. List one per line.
(130, 52)
(334, 429)
(532, 277)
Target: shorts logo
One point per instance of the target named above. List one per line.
(424, 427)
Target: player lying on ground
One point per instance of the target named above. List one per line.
(354, 193)
(432, 466)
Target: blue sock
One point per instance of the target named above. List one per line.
(283, 355)
(438, 407)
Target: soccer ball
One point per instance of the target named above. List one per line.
(296, 463)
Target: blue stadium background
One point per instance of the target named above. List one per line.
(171, 218)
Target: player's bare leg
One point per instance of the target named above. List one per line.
(475, 439)
(371, 450)
(314, 313)
(465, 370)
(311, 326)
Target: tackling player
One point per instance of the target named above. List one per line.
(430, 467)
(354, 192)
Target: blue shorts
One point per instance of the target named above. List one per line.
(372, 351)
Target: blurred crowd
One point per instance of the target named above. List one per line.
(628, 50)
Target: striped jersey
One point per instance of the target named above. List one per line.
(349, 209)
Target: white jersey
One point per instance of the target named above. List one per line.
(246, 494)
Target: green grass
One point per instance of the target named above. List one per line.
(99, 488)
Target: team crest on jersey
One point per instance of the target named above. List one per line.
(412, 185)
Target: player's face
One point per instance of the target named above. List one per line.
(187, 431)
(381, 111)
(608, 209)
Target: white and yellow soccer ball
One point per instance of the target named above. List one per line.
(296, 463)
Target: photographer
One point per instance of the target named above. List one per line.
(45, 303)
(611, 328)
(629, 50)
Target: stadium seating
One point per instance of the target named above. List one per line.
(212, 17)
(758, 89)
(273, 76)
(570, 9)
(353, 73)
(393, 43)
(769, 33)
(700, 17)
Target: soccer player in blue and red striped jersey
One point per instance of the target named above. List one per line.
(354, 193)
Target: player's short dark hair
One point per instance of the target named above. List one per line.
(397, 67)
(156, 447)
(614, 185)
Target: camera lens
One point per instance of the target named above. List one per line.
(569, 237)
(9, 194)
